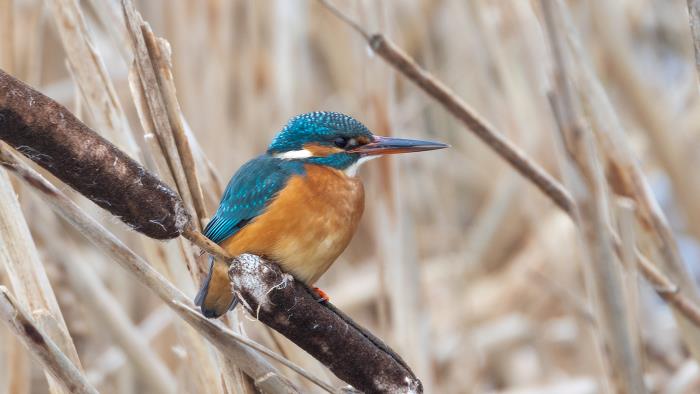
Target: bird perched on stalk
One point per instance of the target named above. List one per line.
(299, 203)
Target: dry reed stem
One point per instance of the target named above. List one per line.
(627, 179)
(180, 266)
(90, 74)
(211, 329)
(573, 302)
(15, 377)
(506, 149)
(655, 117)
(684, 379)
(159, 49)
(153, 150)
(599, 258)
(593, 207)
(7, 31)
(252, 364)
(158, 108)
(23, 266)
(87, 68)
(46, 352)
(235, 381)
(139, 32)
(27, 276)
(201, 363)
(479, 126)
(399, 301)
(100, 302)
(111, 18)
(624, 210)
(651, 216)
(113, 358)
(669, 291)
(694, 20)
(97, 90)
(206, 244)
(580, 309)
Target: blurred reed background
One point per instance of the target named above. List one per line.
(468, 271)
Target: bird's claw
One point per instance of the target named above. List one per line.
(323, 297)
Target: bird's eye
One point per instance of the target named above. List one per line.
(346, 143)
(340, 142)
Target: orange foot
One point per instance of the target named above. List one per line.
(322, 294)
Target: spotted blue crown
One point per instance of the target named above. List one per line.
(316, 127)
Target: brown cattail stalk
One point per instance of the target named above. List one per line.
(51, 136)
(351, 352)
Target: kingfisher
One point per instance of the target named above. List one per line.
(299, 203)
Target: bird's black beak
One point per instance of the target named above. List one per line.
(389, 145)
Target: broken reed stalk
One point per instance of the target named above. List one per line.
(250, 362)
(159, 49)
(41, 347)
(138, 31)
(47, 133)
(357, 357)
(398, 59)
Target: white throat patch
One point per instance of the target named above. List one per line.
(352, 170)
(293, 154)
(305, 153)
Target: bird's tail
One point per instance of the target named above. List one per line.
(215, 298)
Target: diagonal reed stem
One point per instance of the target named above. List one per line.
(41, 346)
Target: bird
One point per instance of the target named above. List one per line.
(299, 203)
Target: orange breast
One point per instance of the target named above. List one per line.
(308, 225)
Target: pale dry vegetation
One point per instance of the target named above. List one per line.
(482, 282)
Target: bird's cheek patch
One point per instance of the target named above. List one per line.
(321, 150)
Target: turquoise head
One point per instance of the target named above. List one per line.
(337, 140)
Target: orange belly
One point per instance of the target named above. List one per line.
(307, 226)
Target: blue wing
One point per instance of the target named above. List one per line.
(250, 190)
